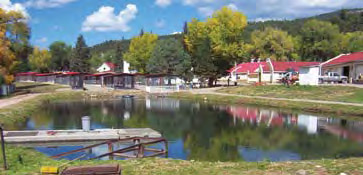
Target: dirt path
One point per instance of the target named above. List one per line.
(212, 91)
(17, 99)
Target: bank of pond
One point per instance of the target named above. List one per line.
(78, 80)
(198, 130)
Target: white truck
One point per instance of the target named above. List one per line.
(333, 77)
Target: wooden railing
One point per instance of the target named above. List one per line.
(139, 148)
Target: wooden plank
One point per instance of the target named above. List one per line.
(47, 136)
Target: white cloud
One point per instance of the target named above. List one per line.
(275, 9)
(267, 19)
(160, 23)
(7, 5)
(41, 40)
(232, 6)
(206, 11)
(163, 3)
(105, 19)
(174, 33)
(195, 2)
(41, 4)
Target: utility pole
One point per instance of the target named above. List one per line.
(3, 147)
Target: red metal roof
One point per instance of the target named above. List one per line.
(71, 73)
(278, 66)
(101, 74)
(345, 58)
(127, 74)
(110, 65)
(46, 74)
(26, 73)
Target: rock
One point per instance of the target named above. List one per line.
(301, 172)
(343, 174)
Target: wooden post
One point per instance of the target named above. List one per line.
(141, 151)
(110, 149)
(136, 141)
(3, 147)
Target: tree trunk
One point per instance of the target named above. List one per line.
(211, 81)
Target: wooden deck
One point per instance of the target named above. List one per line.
(67, 137)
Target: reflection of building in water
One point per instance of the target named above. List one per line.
(345, 129)
(310, 123)
(352, 130)
(162, 104)
(128, 102)
(126, 115)
(256, 116)
(104, 108)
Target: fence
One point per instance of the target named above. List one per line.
(7, 89)
(166, 89)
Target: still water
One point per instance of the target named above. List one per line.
(209, 132)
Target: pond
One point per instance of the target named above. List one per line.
(210, 132)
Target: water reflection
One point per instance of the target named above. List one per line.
(202, 131)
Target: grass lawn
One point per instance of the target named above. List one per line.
(30, 87)
(27, 164)
(328, 93)
(335, 109)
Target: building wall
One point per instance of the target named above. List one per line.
(355, 69)
(266, 77)
(358, 70)
(309, 75)
(103, 68)
(126, 67)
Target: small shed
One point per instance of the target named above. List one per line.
(309, 75)
(25, 76)
(73, 79)
(46, 77)
(123, 81)
(162, 83)
(98, 78)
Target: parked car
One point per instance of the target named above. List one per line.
(333, 77)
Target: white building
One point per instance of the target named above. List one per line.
(309, 75)
(270, 71)
(111, 67)
(350, 65)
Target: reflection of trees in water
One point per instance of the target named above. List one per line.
(209, 132)
(67, 115)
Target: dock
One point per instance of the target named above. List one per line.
(67, 137)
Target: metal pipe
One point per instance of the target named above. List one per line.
(3, 147)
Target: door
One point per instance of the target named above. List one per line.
(346, 70)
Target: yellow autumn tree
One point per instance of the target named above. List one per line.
(216, 43)
(140, 50)
(40, 60)
(9, 26)
(273, 43)
(225, 30)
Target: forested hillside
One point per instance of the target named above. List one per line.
(347, 20)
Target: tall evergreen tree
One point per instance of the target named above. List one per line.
(119, 58)
(185, 28)
(80, 56)
(141, 32)
(169, 57)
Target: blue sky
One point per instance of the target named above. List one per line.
(101, 20)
